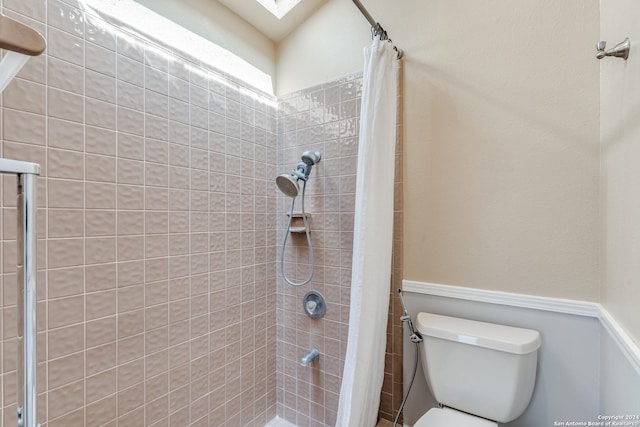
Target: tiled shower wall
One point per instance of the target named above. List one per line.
(155, 234)
(157, 243)
(326, 119)
(323, 119)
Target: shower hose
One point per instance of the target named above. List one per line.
(286, 236)
(413, 377)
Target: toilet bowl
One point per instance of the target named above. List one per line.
(480, 373)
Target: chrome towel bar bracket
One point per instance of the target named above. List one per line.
(621, 50)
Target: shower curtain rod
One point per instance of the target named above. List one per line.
(375, 25)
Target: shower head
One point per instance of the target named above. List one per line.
(310, 158)
(288, 183)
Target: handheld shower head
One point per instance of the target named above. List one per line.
(288, 183)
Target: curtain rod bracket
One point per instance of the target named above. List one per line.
(376, 28)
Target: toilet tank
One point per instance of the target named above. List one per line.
(481, 368)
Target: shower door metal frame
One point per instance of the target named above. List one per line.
(26, 275)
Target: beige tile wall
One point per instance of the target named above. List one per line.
(326, 119)
(158, 237)
(156, 231)
(323, 119)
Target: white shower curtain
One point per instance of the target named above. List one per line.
(372, 240)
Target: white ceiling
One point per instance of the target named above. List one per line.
(266, 22)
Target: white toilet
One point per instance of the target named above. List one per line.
(480, 373)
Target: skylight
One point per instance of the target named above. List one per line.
(279, 8)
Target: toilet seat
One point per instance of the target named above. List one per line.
(445, 417)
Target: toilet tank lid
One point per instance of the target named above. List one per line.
(489, 335)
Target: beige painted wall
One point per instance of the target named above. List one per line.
(501, 165)
(213, 21)
(620, 135)
(328, 45)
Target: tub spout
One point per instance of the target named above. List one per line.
(312, 355)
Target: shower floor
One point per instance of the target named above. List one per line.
(279, 422)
